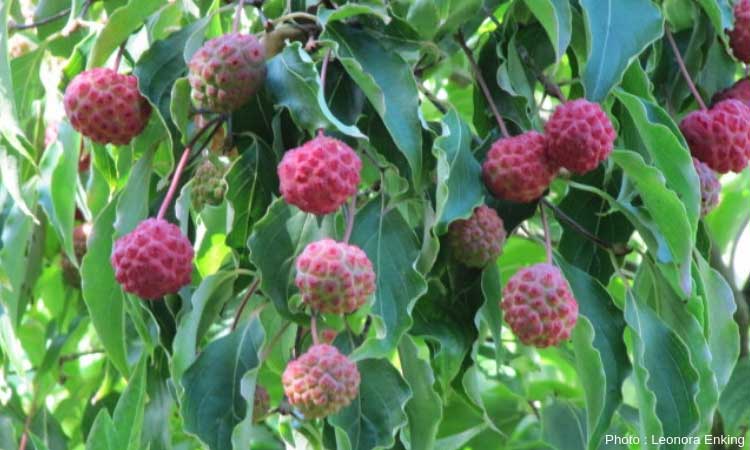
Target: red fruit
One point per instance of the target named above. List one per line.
(720, 137)
(69, 270)
(739, 91)
(261, 403)
(539, 306)
(334, 277)
(106, 106)
(153, 260)
(319, 176)
(710, 187)
(320, 382)
(478, 240)
(579, 136)
(516, 168)
(739, 37)
(227, 71)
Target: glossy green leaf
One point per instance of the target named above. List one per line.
(121, 24)
(424, 409)
(556, 18)
(619, 32)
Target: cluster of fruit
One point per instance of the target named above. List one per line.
(322, 175)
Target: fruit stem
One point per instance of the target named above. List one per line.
(323, 75)
(250, 291)
(482, 84)
(577, 227)
(216, 123)
(352, 213)
(237, 16)
(314, 328)
(547, 237)
(683, 68)
(12, 26)
(118, 58)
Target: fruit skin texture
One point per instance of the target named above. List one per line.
(321, 381)
(710, 187)
(334, 277)
(738, 91)
(69, 270)
(516, 168)
(720, 137)
(320, 175)
(478, 240)
(208, 185)
(261, 403)
(106, 106)
(539, 306)
(579, 136)
(226, 72)
(153, 260)
(739, 37)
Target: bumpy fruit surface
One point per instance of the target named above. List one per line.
(69, 270)
(539, 306)
(106, 106)
(319, 176)
(153, 260)
(739, 37)
(478, 240)
(710, 187)
(261, 404)
(334, 277)
(720, 137)
(738, 91)
(208, 185)
(227, 71)
(579, 136)
(517, 169)
(320, 382)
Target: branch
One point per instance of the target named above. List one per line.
(250, 291)
(12, 26)
(482, 84)
(683, 69)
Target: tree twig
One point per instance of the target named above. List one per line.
(547, 235)
(250, 291)
(482, 84)
(12, 26)
(237, 16)
(683, 68)
(618, 250)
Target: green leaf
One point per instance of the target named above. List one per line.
(27, 82)
(198, 314)
(121, 24)
(276, 241)
(424, 410)
(7, 99)
(347, 10)
(601, 357)
(103, 296)
(57, 186)
(669, 217)
(372, 420)
(557, 20)
(212, 404)
(563, 426)
(735, 400)
(393, 249)
(668, 151)
(294, 83)
(665, 381)
(388, 82)
(720, 13)
(459, 179)
(619, 31)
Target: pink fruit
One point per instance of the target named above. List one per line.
(516, 168)
(334, 277)
(319, 176)
(739, 37)
(539, 306)
(227, 71)
(710, 187)
(738, 91)
(321, 381)
(579, 136)
(106, 106)
(720, 137)
(153, 260)
(478, 240)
